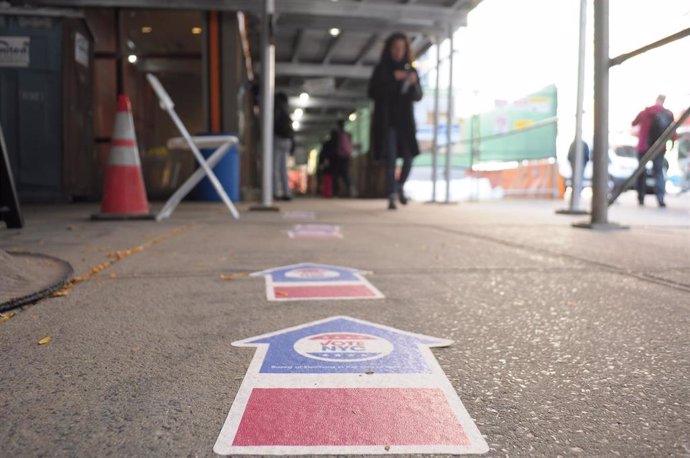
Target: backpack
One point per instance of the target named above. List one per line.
(660, 122)
(344, 145)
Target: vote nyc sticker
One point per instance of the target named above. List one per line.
(347, 347)
(312, 273)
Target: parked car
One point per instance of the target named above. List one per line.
(623, 162)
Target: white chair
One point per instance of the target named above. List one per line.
(222, 143)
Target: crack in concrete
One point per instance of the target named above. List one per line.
(602, 265)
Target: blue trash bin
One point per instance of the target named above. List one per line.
(228, 173)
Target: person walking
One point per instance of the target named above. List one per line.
(283, 145)
(653, 121)
(394, 87)
(343, 151)
(572, 155)
(326, 165)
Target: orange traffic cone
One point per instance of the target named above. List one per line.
(124, 195)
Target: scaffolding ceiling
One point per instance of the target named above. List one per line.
(308, 50)
(332, 65)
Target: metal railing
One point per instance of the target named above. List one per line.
(475, 152)
(476, 140)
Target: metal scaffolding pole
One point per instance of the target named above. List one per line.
(434, 146)
(267, 94)
(579, 163)
(475, 145)
(602, 65)
(450, 115)
(601, 114)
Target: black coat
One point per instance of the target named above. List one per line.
(585, 155)
(282, 124)
(385, 91)
(327, 156)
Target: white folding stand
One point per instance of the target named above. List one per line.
(222, 145)
(167, 105)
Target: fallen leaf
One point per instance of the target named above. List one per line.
(233, 276)
(45, 340)
(369, 372)
(61, 293)
(387, 447)
(117, 256)
(113, 274)
(282, 293)
(6, 316)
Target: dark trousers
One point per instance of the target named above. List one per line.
(391, 162)
(341, 170)
(582, 175)
(659, 180)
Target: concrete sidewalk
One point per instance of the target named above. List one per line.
(566, 341)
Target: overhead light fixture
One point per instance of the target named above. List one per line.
(298, 114)
(304, 97)
(146, 29)
(132, 58)
(295, 125)
(334, 31)
(196, 30)
(352, 117)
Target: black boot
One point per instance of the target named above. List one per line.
(391, 202)
(402, 196)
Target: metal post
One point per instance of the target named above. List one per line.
(579, 154)
(601, 113)
(554, 177)
(450, 114)
(475, 145)
(434, 147)
(472, 132)
(267, 94)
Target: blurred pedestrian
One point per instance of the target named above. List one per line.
(653, 121)
(326, 165)
(283, 145)
(394, 87)
(571, 158)
(343, 152)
